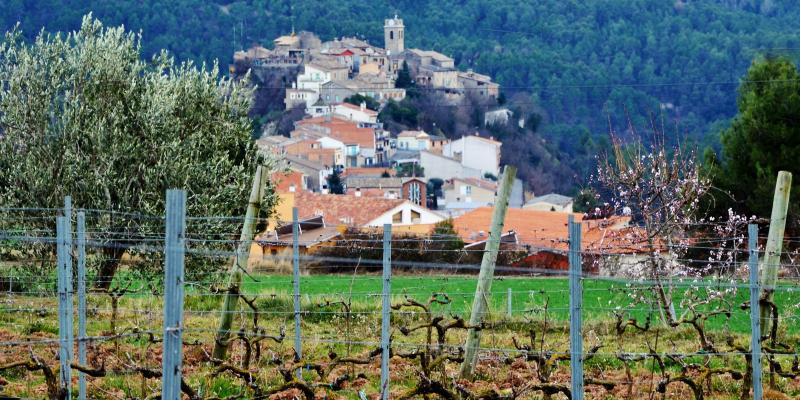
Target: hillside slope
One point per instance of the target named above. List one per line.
(584, 63)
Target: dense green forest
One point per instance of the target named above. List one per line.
(583, 65)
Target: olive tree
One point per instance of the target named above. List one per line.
(82, 114)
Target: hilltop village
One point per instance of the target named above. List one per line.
(344, 169)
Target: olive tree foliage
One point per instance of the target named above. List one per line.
(82, 114)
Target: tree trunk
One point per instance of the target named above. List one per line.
(108, 265)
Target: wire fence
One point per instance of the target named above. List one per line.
(121, 305)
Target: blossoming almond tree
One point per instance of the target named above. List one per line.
(660, 188)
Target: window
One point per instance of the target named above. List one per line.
(415, 216)
(397, 218)
(468, 190)
(391, 35)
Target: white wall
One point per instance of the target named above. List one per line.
(312, 78)
(426, 216)
(412, 143)
(475, 153)
(327, 142)
(354, 115)
(437, 166)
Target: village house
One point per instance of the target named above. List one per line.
(272, 250)
(273, 144)
(470, 190)
(258, 56)
(313, 231)
(306, 89)
(443, 167)
(411, 189)
(315, 173)
(356, 143)
(543, 236)
(313, 150)
(370, 186)
(550, 202)
(433, 69)
(354, 113)
(476, 152)
(358, 212)
(420, 140)
(475, 83)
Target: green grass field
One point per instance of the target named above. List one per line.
(529, 295)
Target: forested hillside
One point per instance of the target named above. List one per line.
(584, 62)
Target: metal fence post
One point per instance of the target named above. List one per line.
(174, 248)
(575, 305)
(386, 309)
(296, 286)
(81, 243)
(64, 304)
(509, 303)
(70, 285)
(755, 312)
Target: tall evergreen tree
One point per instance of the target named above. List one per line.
(764, 137)
(403, 77)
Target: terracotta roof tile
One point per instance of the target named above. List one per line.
(366, 171)
(547, 229)
(283, 180)
(343, 209)
(343, 130)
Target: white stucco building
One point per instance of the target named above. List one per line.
(439, 166)
(476, 152)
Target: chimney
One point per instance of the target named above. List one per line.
(358, 192)
(292, 188)
(363, 105)
(324, 190)
(328, 117)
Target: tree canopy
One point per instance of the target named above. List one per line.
(82, 114)
(581, 64)
(764, 137)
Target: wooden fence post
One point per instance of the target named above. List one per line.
(480, 303)
(239, 265)
(772, 254)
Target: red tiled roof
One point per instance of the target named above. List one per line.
(283, 180)
(547, 229)
(343, 209)
(366, 171)
(343, 130)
